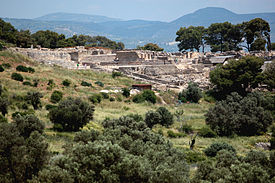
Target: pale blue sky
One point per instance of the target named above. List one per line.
(163, 10)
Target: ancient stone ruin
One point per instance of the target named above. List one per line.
(163, 70)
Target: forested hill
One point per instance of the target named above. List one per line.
(136, 32)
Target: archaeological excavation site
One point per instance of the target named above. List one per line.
(163, 70)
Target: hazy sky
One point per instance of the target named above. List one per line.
(163, 10)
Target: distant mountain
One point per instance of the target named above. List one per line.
(136, 32)
(73, 17)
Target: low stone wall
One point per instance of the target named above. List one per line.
(98, 58)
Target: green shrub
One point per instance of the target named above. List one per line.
(149, 96)
(71, 114)
(116, 74)
(192, 93)
(50, 82)
(238, 115)
(95, 98)
(25, 106)
(104, 95)
(31, 70)
(99, 83)
(136, 117)
(214, 148)
(126, 92)
(25, 113)
(194, 157)
(112, 99)
(2, 68)
(172, 134)
(186, 128)
(166, 117)
(152, 118)
(138, 98)
(66, 82)
(35, 82)
(146, 95)
(56, 96)
(17, 77)
(84, 83)
(1, 89)
(3, 119)
(272, 140)
(34, 99)
(207, 132)
(50, 106)
(22, 68)
(6, 65)
(27, 83)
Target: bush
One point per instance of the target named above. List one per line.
(50, 82)
(136, 117)
(138, 98)
(149, 96)
(186, 128)
(192, 93)
(161, 116)
(56, 96)
(194, 157)
(116, 74)
(34, 99)
(272, 140)
(25, 147)
(84, 83)
(207, 132)
(50, 106)
(17, 77)
(95, 98)
(214, 148)
(238, 115)
(31, 70)
(2, 68)
(35, 82)
(6, 65)
(126, 92)
(71, 114)
(152, 118)
(27, 83)
(99, 83)
(66, 82)
(166, 117)
(22, 68)
(146, 95)
(4, 103)
(112, 99)
(3, 119)
(104, 95)
(172, 134)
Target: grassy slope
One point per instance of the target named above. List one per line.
(193, 113)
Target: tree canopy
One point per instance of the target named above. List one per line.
(50, 39)
(151, 47)
(190, 38)
(226, 36)
(238, 76)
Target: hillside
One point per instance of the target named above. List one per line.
(110, 142)
(193, 113)
(135, 32)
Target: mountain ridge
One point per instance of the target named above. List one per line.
(139, 32)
